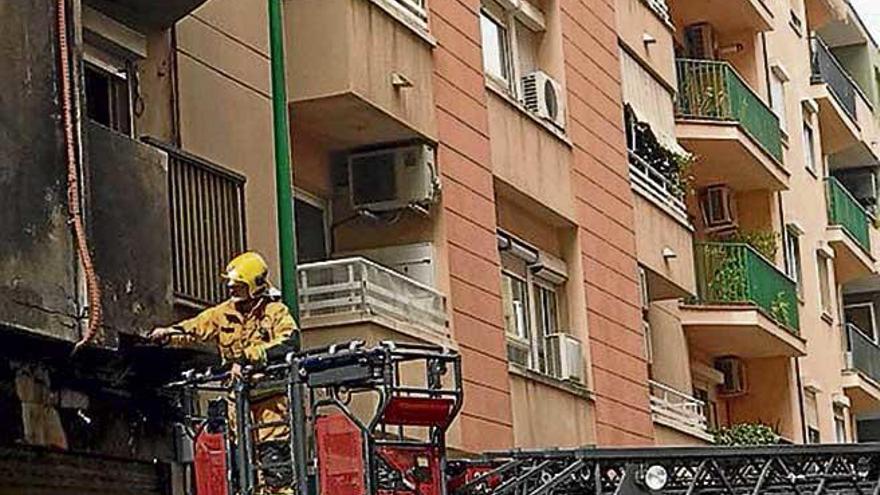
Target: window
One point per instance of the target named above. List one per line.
(810, 147)
(511, 39)
(532, 310)
(839, 424)
(311, 228)
(701, 392)
(496, 48)
(793, 256)
(777, 98)
(825, 287)
(108, 91)
(861, 315)
(547, 318)
(811, 414)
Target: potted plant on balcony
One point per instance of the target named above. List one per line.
(746, 435)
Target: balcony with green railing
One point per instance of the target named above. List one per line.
(734, 273)
(845, 211)
(712, 90)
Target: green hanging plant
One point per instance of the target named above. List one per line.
(746, 435)
(727, 280)
(765, 242)
(781, 308)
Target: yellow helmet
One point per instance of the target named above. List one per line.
(250, 269)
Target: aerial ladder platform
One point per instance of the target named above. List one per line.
(372, 420)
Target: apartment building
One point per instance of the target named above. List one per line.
(460, 179)
(751, 130)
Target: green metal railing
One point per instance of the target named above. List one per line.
(844, 210)
(709, 89)
(737, 273)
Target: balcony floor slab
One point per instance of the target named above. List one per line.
(740, 330)
(851, 261)
(730, 156)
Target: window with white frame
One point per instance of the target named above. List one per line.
(810, 147)
(511, 38)
(415, 7)
(793, 256)
(532, 313)
(861, 315)
(108, 89)
(777, 98)
(826, 292)
(840, 424)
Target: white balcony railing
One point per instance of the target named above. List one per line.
(678, 409)
(357, 288)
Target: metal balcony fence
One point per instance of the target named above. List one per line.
(709, 89)
(736, 273)
(826, 69)
(207, 224)
(844, 210)
(359, 288)
(863, 353)
(657, 184)
(674, 406)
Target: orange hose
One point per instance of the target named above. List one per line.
(93, 287)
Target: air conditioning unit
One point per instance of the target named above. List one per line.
(734, 371)
(416, 261)
(543, 97)
(718, 208)
(700, 42)
(518, 352)
(392, 178)
(564, 357)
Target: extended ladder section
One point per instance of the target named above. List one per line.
(795, 470)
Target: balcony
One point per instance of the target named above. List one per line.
(673, 409)
(363, 74)
(207, 213)
(862, 373)
(146, 14)
(845, 116)
(848, 233)
(354, 298)
(745, 306)
(728, 17)
(722, 120)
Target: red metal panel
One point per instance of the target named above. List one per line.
(341, 465)
(419, 466)
(210, 464)
(418, 411)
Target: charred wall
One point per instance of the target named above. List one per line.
(37, 264)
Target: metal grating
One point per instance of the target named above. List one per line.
(207, 225)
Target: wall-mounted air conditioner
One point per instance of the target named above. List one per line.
(392, 178)
(543, 96)
(718, 208)
(734, 371)
(564, 357)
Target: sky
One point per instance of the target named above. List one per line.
(869, 10)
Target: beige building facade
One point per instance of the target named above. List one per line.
(753, 154)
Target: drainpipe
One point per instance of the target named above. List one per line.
(283, 175)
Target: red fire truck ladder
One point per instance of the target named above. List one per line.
(782, 470)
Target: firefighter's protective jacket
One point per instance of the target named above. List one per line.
(241, 338)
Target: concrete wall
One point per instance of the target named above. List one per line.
(225, 108)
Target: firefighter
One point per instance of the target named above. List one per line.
(244, 328)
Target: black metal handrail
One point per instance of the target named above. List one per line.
(827, 69)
